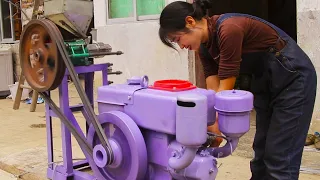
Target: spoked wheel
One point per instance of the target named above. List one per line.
(40, 58)
(128, 147)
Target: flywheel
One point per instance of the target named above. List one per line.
(128, 146)
(40, 58)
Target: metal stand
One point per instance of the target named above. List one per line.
(68, 169)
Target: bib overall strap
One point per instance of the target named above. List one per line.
(226, 16)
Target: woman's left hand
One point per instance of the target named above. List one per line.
(215, 129)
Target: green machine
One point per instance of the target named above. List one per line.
(80, 52)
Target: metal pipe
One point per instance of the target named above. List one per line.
(226, 150)
(181, 160)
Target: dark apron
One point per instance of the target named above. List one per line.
(284, 85)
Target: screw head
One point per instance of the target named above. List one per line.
(174, 154)
(211, 171)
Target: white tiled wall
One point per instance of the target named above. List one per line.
(144, 53)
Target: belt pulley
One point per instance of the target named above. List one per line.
(44, 58)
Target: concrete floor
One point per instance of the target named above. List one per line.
(6, 176)
(23, 146)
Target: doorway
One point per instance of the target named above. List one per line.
(281, 13)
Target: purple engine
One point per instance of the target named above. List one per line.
(159, 132)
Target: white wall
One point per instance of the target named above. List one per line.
(144, 53)
(308, 23)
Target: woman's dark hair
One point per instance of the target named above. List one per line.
(172, 18)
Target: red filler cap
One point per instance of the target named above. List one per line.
(173, 85)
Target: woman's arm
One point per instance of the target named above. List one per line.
(214, 83)
(230, 45)
(227, 84)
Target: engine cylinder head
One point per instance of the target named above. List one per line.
(191, 119)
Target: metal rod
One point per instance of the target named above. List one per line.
(93, 54)
(116, 72)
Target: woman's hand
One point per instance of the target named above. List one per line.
(215, 129)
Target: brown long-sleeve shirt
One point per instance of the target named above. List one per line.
(237, 35)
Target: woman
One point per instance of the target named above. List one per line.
(283, 77)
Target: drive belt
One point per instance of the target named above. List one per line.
(86, 103)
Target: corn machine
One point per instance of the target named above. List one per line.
(142, 131)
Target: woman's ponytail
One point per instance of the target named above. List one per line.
(200, 8)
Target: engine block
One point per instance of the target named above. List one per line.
(171, 119)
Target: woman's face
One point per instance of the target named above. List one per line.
(193, 36)
(188, 40)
